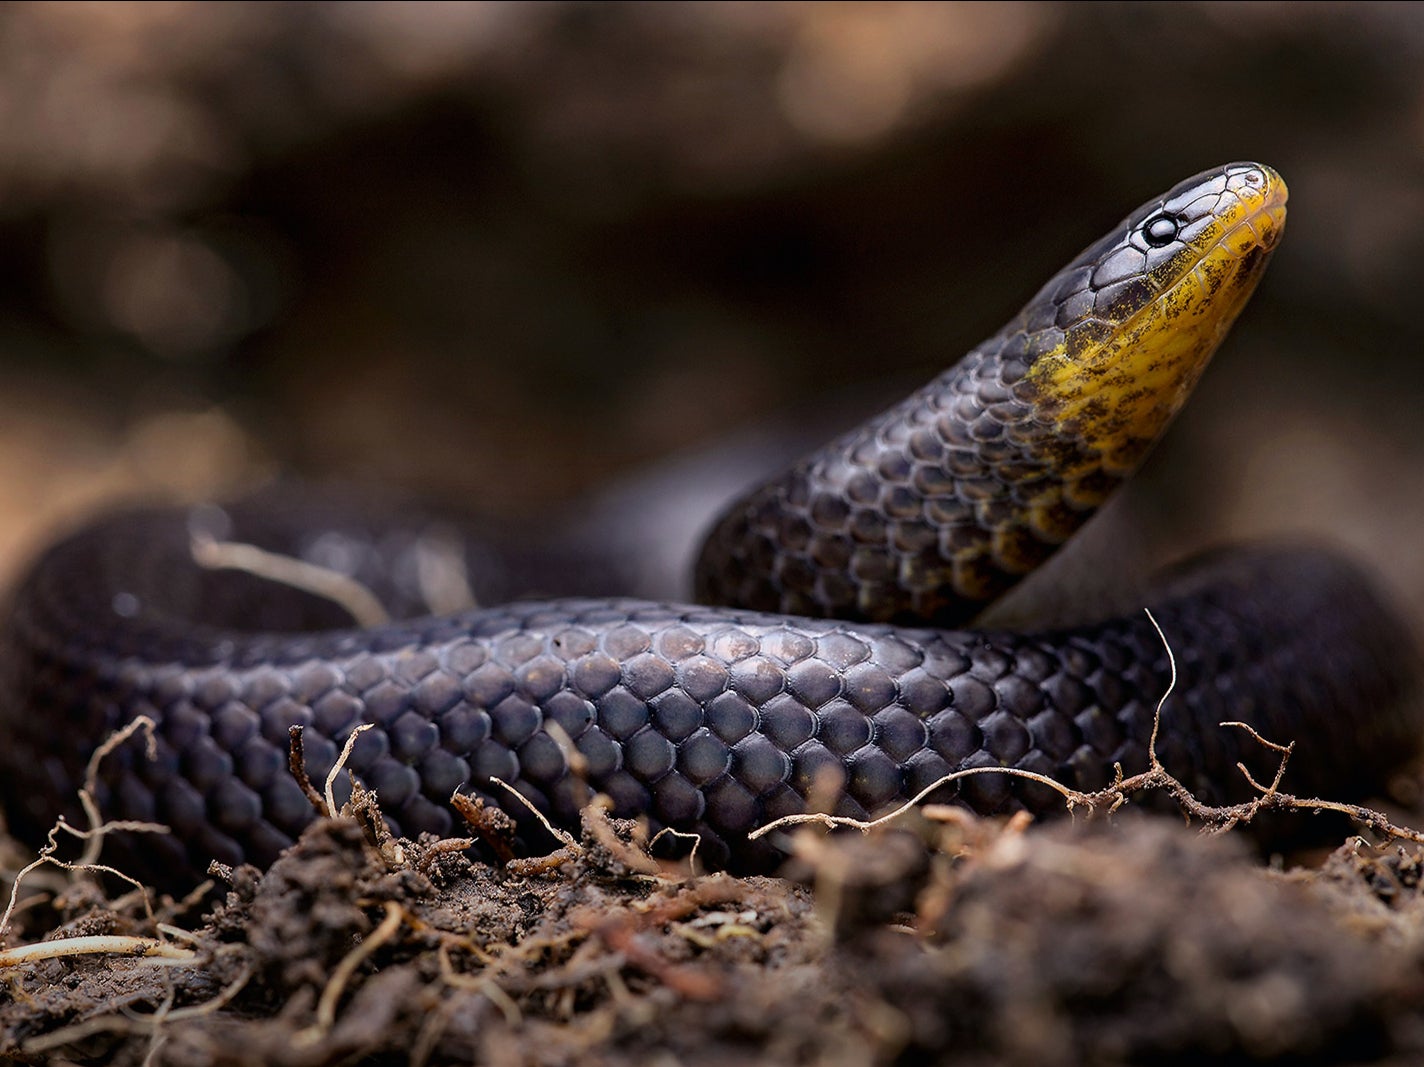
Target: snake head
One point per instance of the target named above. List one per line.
(1118, 339)
(946, 500)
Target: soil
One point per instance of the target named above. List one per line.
(507, 254)
(939, 938)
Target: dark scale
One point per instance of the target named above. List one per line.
(711, 720)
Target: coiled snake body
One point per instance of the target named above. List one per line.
(831, 661)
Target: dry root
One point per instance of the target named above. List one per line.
(1214, 818)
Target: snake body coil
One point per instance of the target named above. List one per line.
(715, 720)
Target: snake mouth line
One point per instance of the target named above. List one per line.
(1227, 241)
(1254, 234)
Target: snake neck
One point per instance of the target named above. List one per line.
(939, 506)
(922, 514)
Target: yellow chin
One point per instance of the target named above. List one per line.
(1107, 401)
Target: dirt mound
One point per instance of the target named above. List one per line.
(949, 940)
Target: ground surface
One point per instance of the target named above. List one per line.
(941, 938)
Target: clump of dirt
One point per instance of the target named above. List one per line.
(942, 938)
(1149, 943)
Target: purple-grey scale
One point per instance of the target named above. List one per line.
(711, 721)
(869, 527)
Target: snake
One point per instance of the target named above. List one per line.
(830, 660)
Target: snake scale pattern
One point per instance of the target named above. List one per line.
(828, 659)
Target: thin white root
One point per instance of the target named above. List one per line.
(441, 573)
(681, 835)
(1171, 685)
(336, 768)
(94, 839)
(341, 589)
(94, 835)
(1071, 795)
(95, 945)
(562, 835)
(331, 995)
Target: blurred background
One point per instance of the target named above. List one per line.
(505, 253)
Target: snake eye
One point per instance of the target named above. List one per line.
(1161, 230)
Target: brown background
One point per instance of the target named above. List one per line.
(504, 252)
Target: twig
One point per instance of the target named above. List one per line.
(491, 823)
(297, 765)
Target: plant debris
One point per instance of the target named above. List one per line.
(938, 936)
